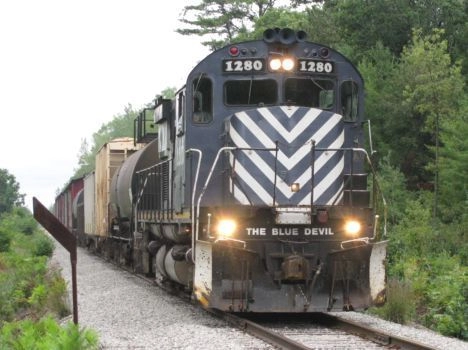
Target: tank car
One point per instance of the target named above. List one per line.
(251, 190)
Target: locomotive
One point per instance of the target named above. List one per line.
(250, 191)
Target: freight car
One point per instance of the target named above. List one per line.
(250, 190)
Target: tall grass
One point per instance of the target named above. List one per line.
(400, 306)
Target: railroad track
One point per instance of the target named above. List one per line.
(305, 331)
(316, 331)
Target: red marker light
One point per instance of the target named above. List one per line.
(234, 50)
(324, 53)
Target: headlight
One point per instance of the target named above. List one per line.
(288, 64)
(275, 63)
(226, 227)
(352, 227)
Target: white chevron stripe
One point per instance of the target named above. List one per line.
(288, 110)
(264, 167)
(319, 163)
(254, 128)
(303, 151)
(253, 184)
(261, 164)
(239, 195)
(323, 185)
(305, 121)
(287, 162)
(337, 198)
(269, 172)
(305, 178)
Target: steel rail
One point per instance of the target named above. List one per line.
(372, 334)
(334, 322)
(276, 339)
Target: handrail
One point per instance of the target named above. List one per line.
(194, 190)
(210, 174)
(376, 182)
(197, 221)
(143, 177)
(377, 188)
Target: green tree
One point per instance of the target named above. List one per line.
(9, 192)
(433, 94)
(222, 21)
(407, 98)
(120, 126)
(169, 92)
(449, 15)
(362, 24)
(276, 18)
(453, 165)
(382, 98)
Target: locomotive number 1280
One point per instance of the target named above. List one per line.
(314, 66)
(242, 66)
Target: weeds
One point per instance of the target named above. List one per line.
(400, 306)
(46, 334)
(32, 294)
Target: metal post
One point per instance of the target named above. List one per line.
(73, 260)
(65, 238)
(312, 176)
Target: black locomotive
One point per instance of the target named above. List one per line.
(250, 190)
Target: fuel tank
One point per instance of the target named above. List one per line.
(174, 263)
(123, 185)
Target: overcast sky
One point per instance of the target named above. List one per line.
(68, 66)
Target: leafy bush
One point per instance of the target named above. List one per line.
(423, 253)
(400, 304)
(38, 297)
(19, 220)
(57, 294)
(18, 280)
(446, 296)
(5, 241)
(393, 186)
(412, 237)
(46, 334)
(43, 246)
(28, 287)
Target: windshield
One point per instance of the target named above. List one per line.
(250, 92)
(309, 92)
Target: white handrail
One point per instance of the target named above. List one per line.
(194, 190)
(222, 149)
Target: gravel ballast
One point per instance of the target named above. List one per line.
(128, 313)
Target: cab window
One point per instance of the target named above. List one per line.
(180, 114)
(202, 110)
(349, 100)
(250, 92)
(318, 93)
